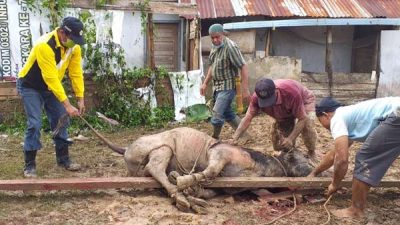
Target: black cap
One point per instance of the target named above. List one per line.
(74, 29)
(327, 104)
(265, 90)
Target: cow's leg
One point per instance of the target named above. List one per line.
(197, 192)
(157, 165)
(218, 158)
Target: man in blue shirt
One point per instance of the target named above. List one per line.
(376, 123)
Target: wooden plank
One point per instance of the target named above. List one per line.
(10, 97)
(154, 7)
(348, 93)
(147, 182)
(7, 84)
(338, 78)
(9, 91)
(344, 87)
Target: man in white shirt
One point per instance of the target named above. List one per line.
(376, 123)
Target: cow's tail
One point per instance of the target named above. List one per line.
(114, 147)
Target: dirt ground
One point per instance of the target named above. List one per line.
(131, 206)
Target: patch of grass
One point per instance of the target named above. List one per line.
(10, 169)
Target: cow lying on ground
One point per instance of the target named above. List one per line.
(189, 151)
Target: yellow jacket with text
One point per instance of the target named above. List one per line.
(47, 63)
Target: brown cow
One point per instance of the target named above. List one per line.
(189, 151)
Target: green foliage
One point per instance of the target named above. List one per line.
(197, 113)
(120, 101)
(15, 124)
(101, 3)
(143, 6)
(116, 84)
(77, 124)
(161, 116)
(52, 9)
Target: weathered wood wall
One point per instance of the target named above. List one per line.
(9, 100)
(348, 88)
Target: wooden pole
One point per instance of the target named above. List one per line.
(328, 58)
(376, 62)
(188, 57)
(147, 182)
(268, 42)
(150, 41)
(196, 44)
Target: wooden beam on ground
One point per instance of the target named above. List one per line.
(132, 5)
(147, 182)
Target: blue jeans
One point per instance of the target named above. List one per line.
(34, 101)
(222, 110)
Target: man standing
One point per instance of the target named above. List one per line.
(40, 87)
(286, 101)
(225, 62)
(375, 122)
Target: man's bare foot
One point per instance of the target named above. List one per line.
(348, 213)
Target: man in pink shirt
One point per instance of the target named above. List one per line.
(293, 108)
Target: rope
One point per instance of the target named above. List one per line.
(279, 162)
(294, 197)
(327, 211)
(285, 214)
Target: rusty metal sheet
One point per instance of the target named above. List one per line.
(224, 8)
(299, 8)
(313, 8)
(206, 8)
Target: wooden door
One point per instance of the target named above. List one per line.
(166, 46)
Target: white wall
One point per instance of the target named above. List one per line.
(132, 40)
(389, 81)
(17, 24)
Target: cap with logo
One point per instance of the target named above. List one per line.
(265, 91)
(74, 29)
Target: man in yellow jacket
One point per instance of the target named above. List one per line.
(40, 86)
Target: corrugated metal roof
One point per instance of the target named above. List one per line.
(312, 22)
(299, 8)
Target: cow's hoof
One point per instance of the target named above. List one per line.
(172, 176)
(184, 182)
(182, 208)
(198, 205)
(181, 202)
(199, 209)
